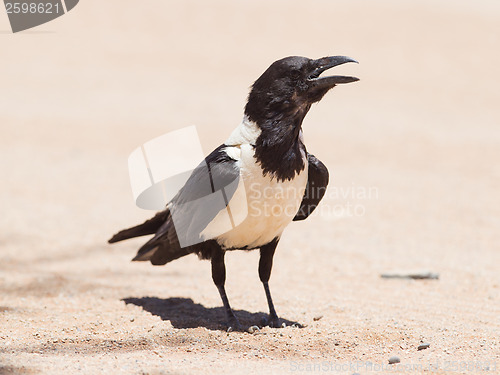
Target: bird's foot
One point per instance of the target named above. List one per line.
(276, 322)
(234, 325)
(273, 322)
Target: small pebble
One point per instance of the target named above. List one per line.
(318, 317)
(394, 359)
(423, 346)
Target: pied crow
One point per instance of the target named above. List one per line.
(265, 158)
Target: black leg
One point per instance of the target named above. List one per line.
(265, 266)
(219, 278)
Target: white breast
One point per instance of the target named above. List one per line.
(262, 206)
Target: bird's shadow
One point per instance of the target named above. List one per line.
(184, 313)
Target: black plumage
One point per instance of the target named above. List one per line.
(267, 148)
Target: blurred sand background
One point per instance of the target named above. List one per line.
(422, 127)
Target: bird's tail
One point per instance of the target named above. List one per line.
(164, 247)
(149, 227)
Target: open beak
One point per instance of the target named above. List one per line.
(325, 63)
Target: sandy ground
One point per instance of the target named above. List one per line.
(413, 149)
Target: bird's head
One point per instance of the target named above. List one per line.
(289, 87)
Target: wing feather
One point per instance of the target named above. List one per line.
(317, 181)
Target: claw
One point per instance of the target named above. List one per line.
(253, 329)
(274, 322)
(234, 325)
